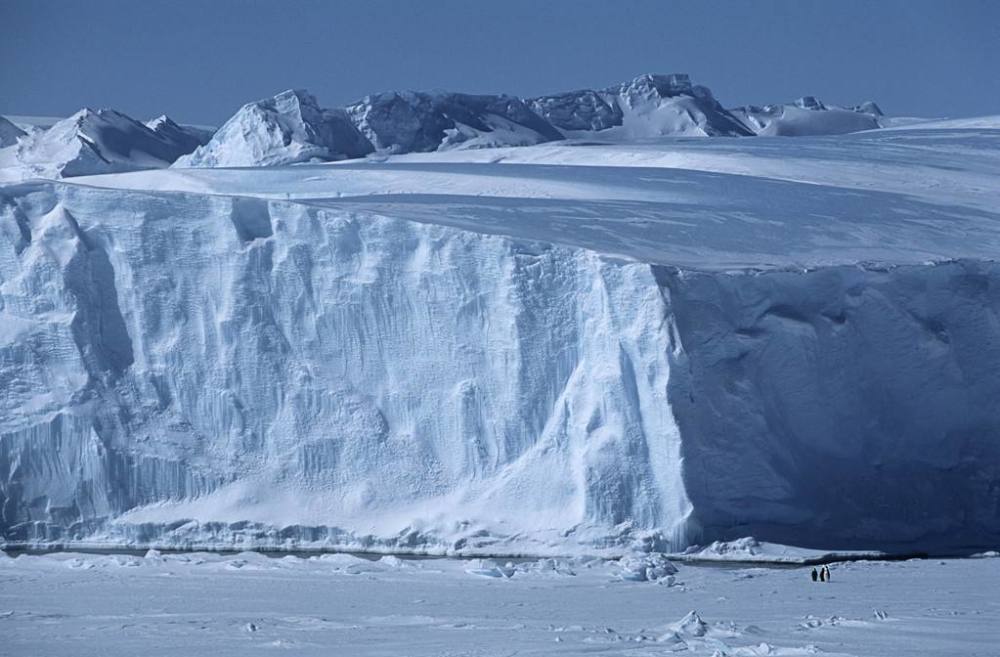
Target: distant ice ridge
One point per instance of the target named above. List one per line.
(809, 116)
(93, 142)
(404, 122)
(292, 128)
(646, 107)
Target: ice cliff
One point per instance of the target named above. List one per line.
(511, 358)
(335, 377)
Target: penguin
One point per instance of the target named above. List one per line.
(814, 575)
(822, 574)
(827, 573)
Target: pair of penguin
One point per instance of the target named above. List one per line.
(823, 575)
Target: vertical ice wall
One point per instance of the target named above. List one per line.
(173, 357)
(206, 369)
(844, 407)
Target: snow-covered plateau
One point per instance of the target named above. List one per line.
(565, 348)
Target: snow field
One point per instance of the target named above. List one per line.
(174, 604)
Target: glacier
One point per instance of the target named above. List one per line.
(540, 350)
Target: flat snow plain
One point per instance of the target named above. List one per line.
(245, 604)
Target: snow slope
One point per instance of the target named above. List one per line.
(9, 133)
(576, 348)
(184, 138)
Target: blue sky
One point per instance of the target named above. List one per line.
(199, 61)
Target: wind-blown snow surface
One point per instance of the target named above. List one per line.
(78, 605)
(597, 348)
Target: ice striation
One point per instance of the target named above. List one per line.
(433, 355)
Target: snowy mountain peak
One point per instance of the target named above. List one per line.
(286, 128)
(292, 127)
(655, 84)
(92, 141)
(649, 106)
(185, 138)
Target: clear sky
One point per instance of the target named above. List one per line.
(200, 60)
